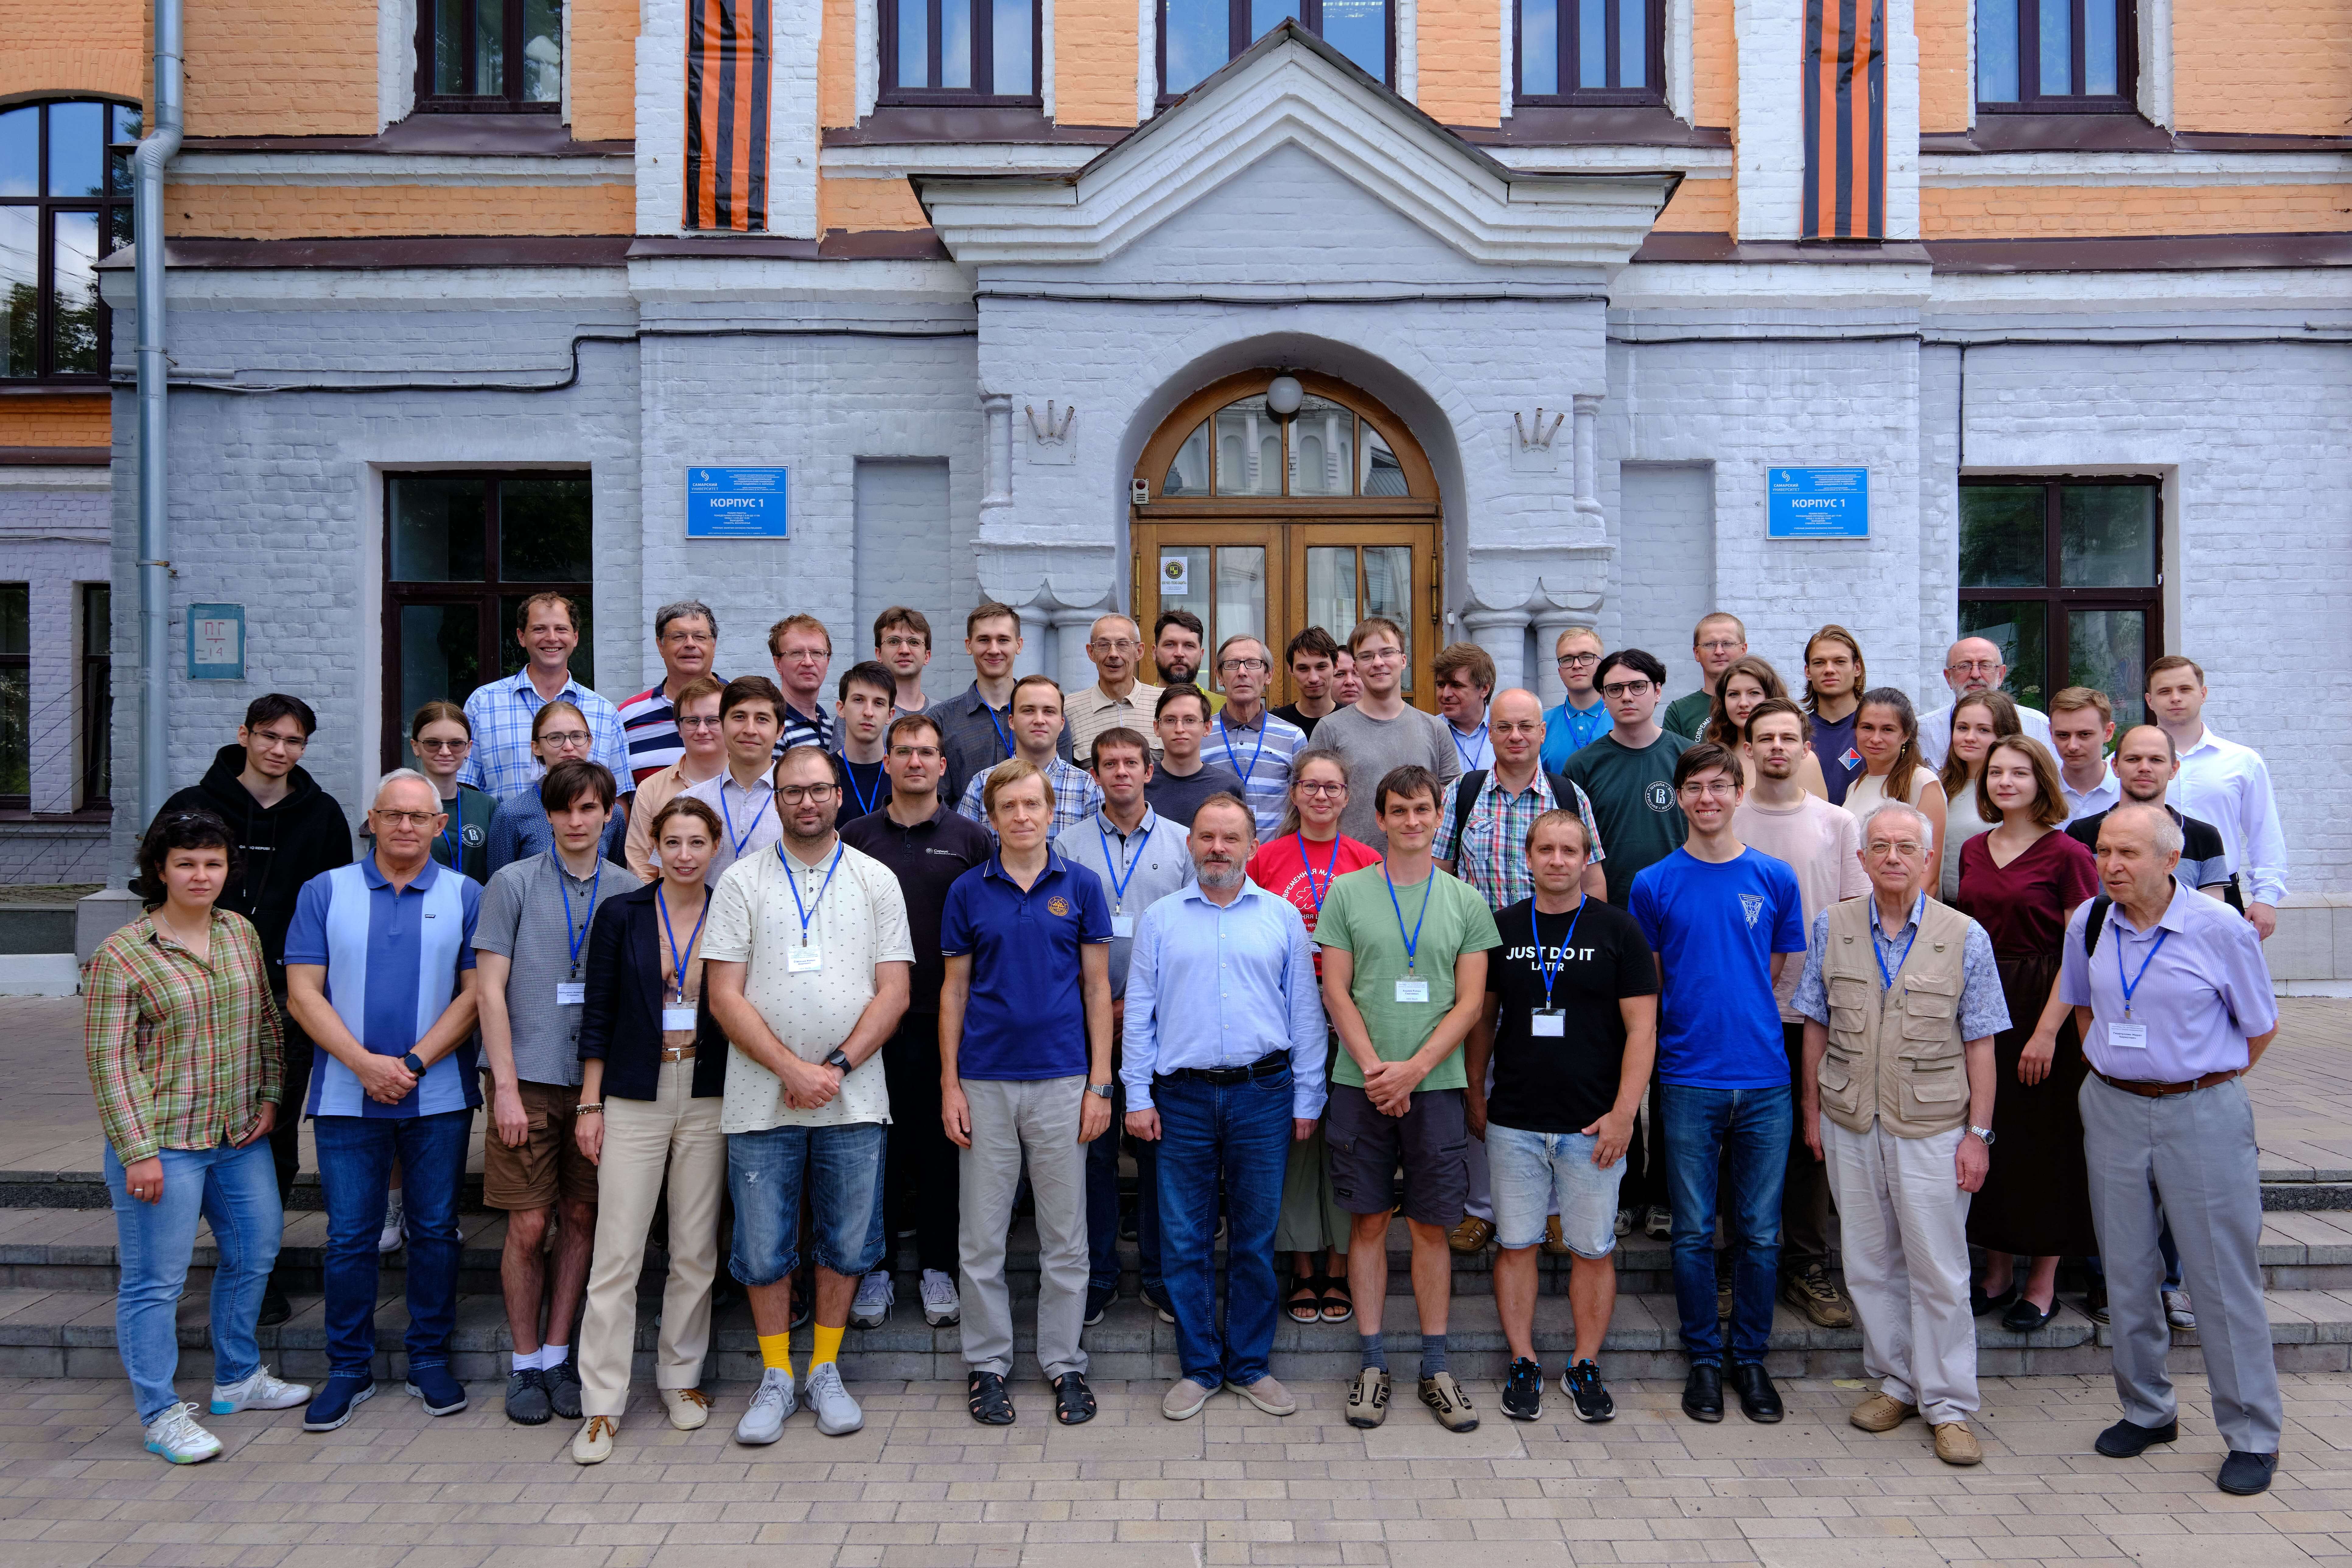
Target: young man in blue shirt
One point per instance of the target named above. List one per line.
(1722, 918)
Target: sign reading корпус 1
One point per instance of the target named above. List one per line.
(735, 503)
(1818, 503)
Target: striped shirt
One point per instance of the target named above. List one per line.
(803, 730)
(1259, 755)
(501, 712)
(649, 726)
(184, 1052)
(1491, 855)
(392, 961)
(1076, 796)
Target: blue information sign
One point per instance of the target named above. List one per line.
(215, 642)
(1818, 503)
(735, 503)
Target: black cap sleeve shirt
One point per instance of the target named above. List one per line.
(1564, 1082)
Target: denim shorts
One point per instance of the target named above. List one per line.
(840, 1169)
(1530, 1170)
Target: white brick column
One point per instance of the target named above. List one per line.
(1771, 152)
(1503, 635)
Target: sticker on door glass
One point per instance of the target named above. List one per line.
(1175, 574)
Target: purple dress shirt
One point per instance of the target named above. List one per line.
(2205, 991)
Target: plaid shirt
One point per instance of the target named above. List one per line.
(1076, 796)
(182, 1053)
(1493, 854)
(501, 713)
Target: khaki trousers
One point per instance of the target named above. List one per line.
(675, 1133)
(1907, 1264)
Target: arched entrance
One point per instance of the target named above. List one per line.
(1267, 524)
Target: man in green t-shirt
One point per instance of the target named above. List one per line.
(1629, 772)
(1717, 640)
(1404, 976)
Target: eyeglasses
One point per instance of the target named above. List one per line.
(404, 818)
(915, 643)
(794, 794)
(272, 740)
(1306, 787)
(1378, 655)
(1115, 645)
(437, 746)
(1578, 660)
(1906, 847)
(1625, 688)
(565, 737)
(710, 722)
(804, 655)
(1973, 666)
(923, 753)
(1718, 648)
(1713, 786)
(1245, 667)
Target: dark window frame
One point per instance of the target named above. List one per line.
(2032, 99)
(113, 208)
(508, 98)
(1239, 37)
(983, 59)
(488, 594)
(97, 696)
(2057, 601)
(22, 663)
(1567, 41)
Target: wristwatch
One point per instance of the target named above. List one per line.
(1103, 1090)
(840, 1059)
(414, 1064)
(1983, 1135)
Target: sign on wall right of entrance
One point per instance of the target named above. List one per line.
(1818, 503)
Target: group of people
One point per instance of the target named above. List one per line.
(872, 971)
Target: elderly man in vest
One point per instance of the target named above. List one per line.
(1902, 1001)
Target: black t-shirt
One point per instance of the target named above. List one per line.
(1305, 721)
(927, 858)
(1842, 763)
(1544, 1084)
(864, 787)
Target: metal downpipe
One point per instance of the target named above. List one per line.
(154, 565)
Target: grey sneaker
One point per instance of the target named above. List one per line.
(874, 1298)
(838, 1414)
(942, 1308)
(1266, 1394)
(772, 1404)
(2177, 1310)
(261, 1392)
(389, 1240)
(1184, 1399)
(175, 1435)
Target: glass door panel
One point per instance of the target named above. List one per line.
(1241, 598)
(1332, 590)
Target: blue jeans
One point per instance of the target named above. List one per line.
(1239, 1133)
(1102, 1206)
(355, 1156)
(236, 1191)
(1744, 1132)
(840, 1166)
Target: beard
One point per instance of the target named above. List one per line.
(1220, 875)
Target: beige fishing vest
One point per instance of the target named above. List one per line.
(1895, 1055)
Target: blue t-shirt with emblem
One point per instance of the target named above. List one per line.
(1632, 795)
(1026, 1016)
(1715, 927)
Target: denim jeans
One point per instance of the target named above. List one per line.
(1239, 1133)
(840, 1166)
(1743, 1132)
(1102, 1206)
(235, 1191)
(355, 1156)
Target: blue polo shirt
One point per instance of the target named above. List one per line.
(1568, 731)
(1026, 1017)
(392, 961)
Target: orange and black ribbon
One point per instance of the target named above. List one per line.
(727, 45)
(1845, 119)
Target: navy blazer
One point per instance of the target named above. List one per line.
(621, 1023)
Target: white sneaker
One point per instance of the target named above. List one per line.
(259, 1392)
(941, 1305)
(176, 1437)
(838, 1414)
(2177, 1310)
(875, 1296)
(390, 1239)
(772, 1404)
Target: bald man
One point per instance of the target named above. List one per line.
(1116, 700)
(1971, 665)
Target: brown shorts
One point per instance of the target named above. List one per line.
(548, 1164)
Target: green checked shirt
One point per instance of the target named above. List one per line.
(182, 1053)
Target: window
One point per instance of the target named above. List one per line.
(489, 55)
(1198, 37)
(462, 552)
(1245, 449)
(2056, 57)
(1591, 51)
(65, 202)
(961, 51)
(97, 695)
(2066, 576)
(15, 695)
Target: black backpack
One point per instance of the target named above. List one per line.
(2096, 924)
(1466, 797)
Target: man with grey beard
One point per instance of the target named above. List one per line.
(1223, 1067)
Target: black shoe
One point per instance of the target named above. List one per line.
(2095, 1300)
(275, 1307)
(2244, 1474)
(2124, 1441)
(1158, 1303)
(563, 1383)
(527, 1401)
(803, 1298)
(1523, 1391)
(1098, 1303)
(1703, 1393)
(1759, 1400)
(2024, 1318)
(1581, 1383)
(1980, 1304)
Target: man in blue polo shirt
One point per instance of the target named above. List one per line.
(380, 975)
(1024, 1054)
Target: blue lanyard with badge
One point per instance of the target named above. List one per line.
(1548, 1020)
(677, 1012)
(1002, 733)
(1477, 744)
(806, 957)
(865, 798)
(1233, 752)
(1122, 922)
(1410, 986)
(734, 845)
(1886, 975)
(2126, 1034)
(572, 991)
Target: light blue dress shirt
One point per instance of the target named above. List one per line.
(1210, 987)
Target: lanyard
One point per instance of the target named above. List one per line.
(1886, 974)
(680, 957)
(1413, 942)
(735, 845)
(1470, 757)
(563, 886)
(1551, 972)
(1330, 869)
(808, 912)
(994, 724)
(2132, 985)
(864, 798)
(453, 838)
(1231, 754)
(1119, 884)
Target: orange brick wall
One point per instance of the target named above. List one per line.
(1946, 95)
(2281, 65)
(604, 69)
(836, 64)
(867, 204)
(312, 212)
(1095, 47)
(45, 46)
(1714, 65)
(264, 68)
(56, 422)
(1700, 207)
(2052, 211)
(1460, 46)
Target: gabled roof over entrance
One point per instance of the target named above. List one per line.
(1291, 89)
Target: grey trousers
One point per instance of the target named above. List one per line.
(1011, 1120)
(2193, 1155)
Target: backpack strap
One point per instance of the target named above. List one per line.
(1466, 795)
(2096, 924)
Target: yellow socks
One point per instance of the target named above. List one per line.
(828, 1345)
(776, 1351)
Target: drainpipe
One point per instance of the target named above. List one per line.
(163, 140)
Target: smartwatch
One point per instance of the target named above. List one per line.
(840, 1058)
(412, 1063)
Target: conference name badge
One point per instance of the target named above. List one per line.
(1122, 925)
(1411, 988)
(677, 1018)
(571, 992)
(2127, 1036)
(1548, 1021)
(806, 958)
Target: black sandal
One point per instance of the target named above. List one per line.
(1337, 1297)
(1074, 1401)
(991, 1405)
(1307, 1290)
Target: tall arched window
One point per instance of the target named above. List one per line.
(65, 204)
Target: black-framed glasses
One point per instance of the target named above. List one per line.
(1625, 688)
(794, 794)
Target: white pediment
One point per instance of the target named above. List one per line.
(1290, 90)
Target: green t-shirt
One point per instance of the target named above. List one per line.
(1632, 795)
(1359, 918)
(1687, 716)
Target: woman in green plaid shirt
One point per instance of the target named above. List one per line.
(186, 1050)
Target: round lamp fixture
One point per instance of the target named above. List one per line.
(1283, 395)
